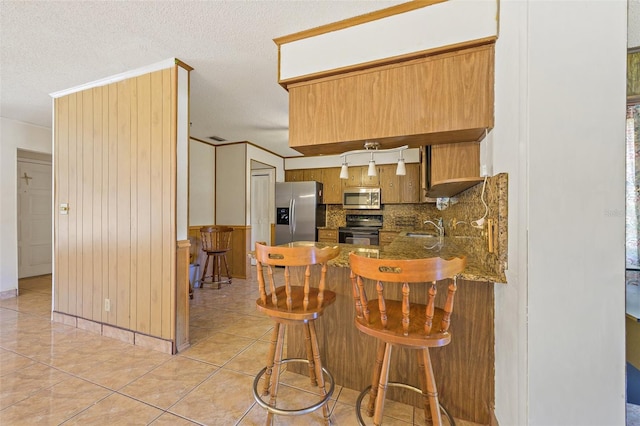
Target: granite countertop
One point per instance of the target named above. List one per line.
(405, 247)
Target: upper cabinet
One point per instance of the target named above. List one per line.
(396, 189)
(438, 99)
(451, 168)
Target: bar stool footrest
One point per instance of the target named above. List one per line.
(397, 385)
(292, 412)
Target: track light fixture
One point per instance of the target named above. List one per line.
(372, 147)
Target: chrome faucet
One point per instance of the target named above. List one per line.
(439, 226)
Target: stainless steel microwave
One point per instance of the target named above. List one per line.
(361, 198)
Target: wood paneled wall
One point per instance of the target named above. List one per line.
(115, 164)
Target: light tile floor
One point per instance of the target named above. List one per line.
(53, 374)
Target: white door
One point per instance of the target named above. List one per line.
(261, 206)
(34, 219)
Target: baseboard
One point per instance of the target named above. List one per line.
(8, 294)
(121, 334)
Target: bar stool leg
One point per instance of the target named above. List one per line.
(216, 273)
(373, 393)
(307, 342)
(318, 367)
(382, 386)
(204, 270)
(275, 381)
(270, 359)
(423, 385)
(432, 391)
(226, 266)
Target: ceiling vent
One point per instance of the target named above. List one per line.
(217, 138)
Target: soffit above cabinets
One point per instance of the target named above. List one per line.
(398, 33)
(421, 77)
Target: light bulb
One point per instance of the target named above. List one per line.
(401, 170)
(372, 168)
(344, 171)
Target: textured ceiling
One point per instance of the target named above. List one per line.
(47, 46)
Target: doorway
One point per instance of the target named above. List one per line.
(35, 241)
(262, 202)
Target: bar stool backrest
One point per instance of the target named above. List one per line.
(300, 257)
(216, 238)
(392, 318)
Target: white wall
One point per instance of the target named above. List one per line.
(14, 135)
(202, 183)
(442, 24)
(231, 184)
(560, 96)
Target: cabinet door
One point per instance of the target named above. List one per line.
(410, 184)
(454, 161)
(367, 180)
(313, 175)
(328, 235)
(332, 185)
(355, 177)
(294, 175)
(390, 190)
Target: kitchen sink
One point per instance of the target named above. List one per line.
(421, 235)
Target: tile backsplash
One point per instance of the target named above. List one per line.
(457, 217)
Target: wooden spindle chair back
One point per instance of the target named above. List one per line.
(216, 238)
(293, 299)
(397, 320)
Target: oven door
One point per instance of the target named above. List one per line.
(366, 238)
(365, 241)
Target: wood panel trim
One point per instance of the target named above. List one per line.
(182, 295)
(399, 60)
(357, 20)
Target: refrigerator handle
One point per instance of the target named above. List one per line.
(293, 216)
(290, 217)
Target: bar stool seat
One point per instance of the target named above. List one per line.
(216, 242)
(296, 302)
(416, 326)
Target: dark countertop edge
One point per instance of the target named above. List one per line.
(413, 248)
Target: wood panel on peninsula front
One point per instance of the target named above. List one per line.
(464, 369)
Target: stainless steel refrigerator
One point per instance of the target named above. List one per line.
(299, 211)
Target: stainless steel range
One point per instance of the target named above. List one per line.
(361, 229)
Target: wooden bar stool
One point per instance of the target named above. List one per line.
(295, 302)
(216, 242)
(403, 324)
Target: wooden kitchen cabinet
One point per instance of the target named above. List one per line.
(294, 175)
(390, 190)
(359, 176)
(410, 184)
(329, 177)
(328, 235)
(443, 98)
(332, 185)
(400, 189)
(451, 168)
(312, 175)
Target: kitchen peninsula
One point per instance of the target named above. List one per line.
(464, 369)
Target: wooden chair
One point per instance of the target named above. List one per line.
(295, 302)
(400, 323)
(216, 242)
